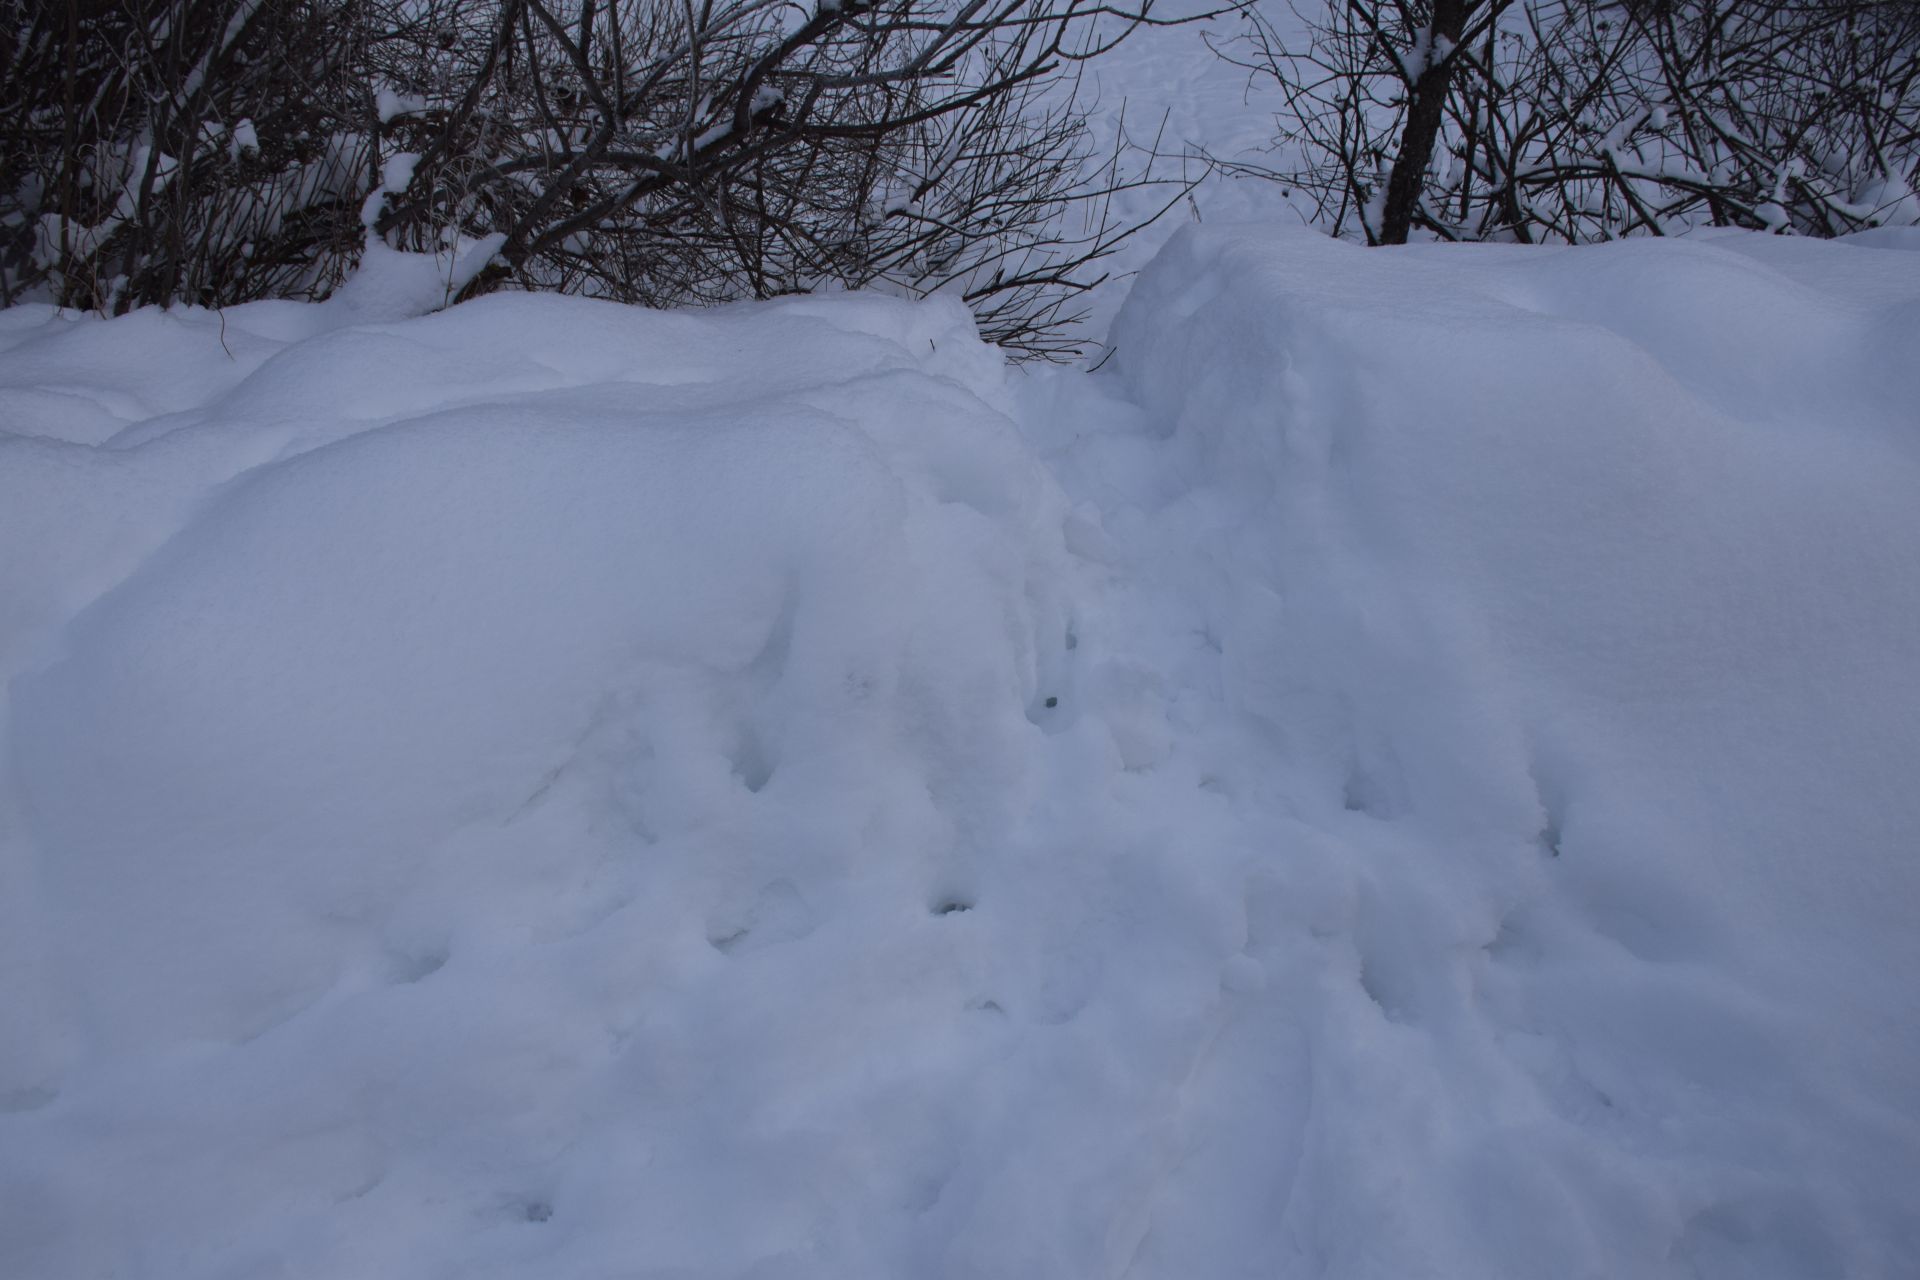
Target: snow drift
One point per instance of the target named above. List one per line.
(453, 663)
(1407, 772)
(1577, 591)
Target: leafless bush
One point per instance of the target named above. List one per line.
(160, 150)
(1574, 120)
(656, 151)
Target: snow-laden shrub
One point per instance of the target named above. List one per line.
(1577, 120)
(218, 151)
(159, 150)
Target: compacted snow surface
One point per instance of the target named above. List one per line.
(1409, 771)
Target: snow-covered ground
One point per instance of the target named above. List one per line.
(1408, 771)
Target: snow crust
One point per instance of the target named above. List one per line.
(1406, 772)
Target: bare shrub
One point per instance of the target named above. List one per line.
(1572, 120)
(665, 152)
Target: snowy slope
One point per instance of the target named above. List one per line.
(1564, 604)
(1405, 772)
(484, 734)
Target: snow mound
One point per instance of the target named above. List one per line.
(1407, 772)
(1577, 592)
(518, 771)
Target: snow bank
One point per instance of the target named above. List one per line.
(508, 765)
(1576, 593)
(1407, 773)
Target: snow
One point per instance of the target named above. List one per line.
(246, 138)
(1574, 593)
(1405, 771)
(688, 656)
(391, 103)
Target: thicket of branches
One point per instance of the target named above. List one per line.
(156, 150)
(656, 151)
(689, 151)
(1581, 120)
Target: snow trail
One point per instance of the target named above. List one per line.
(1491, 594)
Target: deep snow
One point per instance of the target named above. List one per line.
(1408, 771)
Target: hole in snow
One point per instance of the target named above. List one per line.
(1381, 990)
(1553, 809)
(412, 968)
(775, 915)
(726, 942)
(1510, 941)
(536, 1211)
(751, 763)
(1370, 792)
(950, 905)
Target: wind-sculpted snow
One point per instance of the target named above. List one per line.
(513, 775)
(1406, 772)
(1571, 599)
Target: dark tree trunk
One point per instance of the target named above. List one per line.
(1428, 96)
